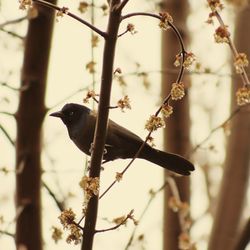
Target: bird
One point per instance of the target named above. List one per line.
(120, 142)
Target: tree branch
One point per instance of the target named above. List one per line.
(60, 204)
(66, 12)
(14, 21)
(152, 197)
(231, 116)
(7, 233)
(102, 121)
(7, 135)
(235, 53)
(22, 88)
(12, 34)
(122, 4)
(118, 225)
(175, 30)
(167, 98)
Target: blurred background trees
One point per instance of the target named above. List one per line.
(41, 169)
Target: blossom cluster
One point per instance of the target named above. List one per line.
(166, 18)
(90, 186)
(243, 96)
(67, 219)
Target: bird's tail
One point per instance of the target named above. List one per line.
(169, 161)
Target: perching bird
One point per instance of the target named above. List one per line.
(120, 142)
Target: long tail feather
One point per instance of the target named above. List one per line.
(169, 161)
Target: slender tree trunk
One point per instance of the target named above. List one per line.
(102, 120)
(236, 173)
(29, 116)
(176, 134)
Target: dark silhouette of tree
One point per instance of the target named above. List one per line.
(176, 133)
(235, 179)
(29, 117)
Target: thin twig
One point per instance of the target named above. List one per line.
(157, 17)
(123, 33)
(7, 113)
(122, 4)
(175, 192)
(175, 71)
(231, 116)
(166, 100)
(152, 197)
(67, 97)
(93, 50)
(7, 233)
(66, 12)
(14, 21)
(116, 226)
(235, 53)
(60, 204)
(23, 88)
(7, 135)
(12, 33)
(176, 31)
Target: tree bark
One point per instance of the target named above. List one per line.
(102, 120)
(176, 134)
(29, 117)
(236, 168)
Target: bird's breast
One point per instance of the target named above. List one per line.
(82, 140)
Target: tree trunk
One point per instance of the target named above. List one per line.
(236, 168)
(29, 117)
(176, 134)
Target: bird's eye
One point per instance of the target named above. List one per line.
(71, 113)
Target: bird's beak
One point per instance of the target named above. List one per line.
(57, 114)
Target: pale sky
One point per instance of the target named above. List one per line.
(67, 73)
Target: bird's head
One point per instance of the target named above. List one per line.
(71, 113)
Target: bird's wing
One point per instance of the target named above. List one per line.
(118, 135)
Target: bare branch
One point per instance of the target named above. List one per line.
(7, 113)
(181, 216)
(66, 98)
(23, 88)
(235, 53)
(165, 101)
(12, 34)
(231, 116)
(55, 7)
(152, 197)
(175, 30)
(157, 17)
(118, 225)
(14, 21)
(122, 4)
(60, 204)
(7, 135)
(7, 233)
(101, 122)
